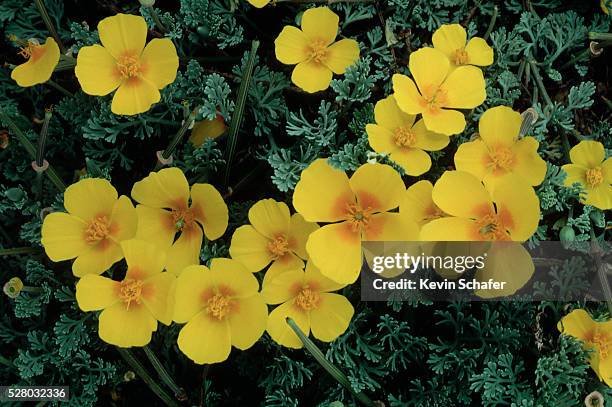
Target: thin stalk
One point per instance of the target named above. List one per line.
(42, 140)
(238, 114)
(328, 366)
(29, 147)
(65, 63)
(19, 250)
(140, 370)
(59, 87)
(179, 392)
(167, 153)
(40, 4)
(491, 23)
(6, 362)
(160, 26)
(593, 36)
(538, 78)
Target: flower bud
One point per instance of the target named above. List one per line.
(13, 287)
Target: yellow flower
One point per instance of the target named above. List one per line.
(597, 337)
(259, 3)
(593, 171)
(305, 297)
(440, 88)
(222, 307)
(360, 209)
(92, 229)
(451, 40)
(511, 212)
(606, 6)
(131, 307)
(498, 152)
(418, 205)
(123, 62)
(395, 133)
(206, 129)
(165, 210)
(41, 61)
(313, 49)
(272, 237)
(13, 287)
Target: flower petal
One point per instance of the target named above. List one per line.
(331, 318)
(341, 55)
(449, 38)
(159, 296)
(155, 225)
(123, 219)
(160, 62)
(39, 67)
(518, 206)
(429, 67)
(193, 282)
(315, 278)
(209, 209)
(124, 327)
(450, 229)
(499, 126)
(472, 157)
(166, 188)
(281, 332)
(250, 248)
(291, 46)
(90, 197)
(461, 194)
(311, 76)
(509, 262)
(428, 140)
(286, 263)
(388, 114)
(377, 186)
(207, 129)
(134, 96)
(248, 322)
(233, 275)
(606, 168)
(270, 218)
(588, 153)
(577, 323)
(96, 70)
(94, 293)
(144, 260)
(417, 204)
(406, 95)
(465, 88)
(600, 197)
(258, 3)
(529, 165)
(205, 340)
(381, 139)
(299, 231)
(97, 259)
(444, 121)
(63, 236)
(185, 251)
(575, 174)
(322, 193)
(479, 52)
(336, 250)
(281, 288)
(391, 227)
(321, 24)
(123, 34)
(414, 161)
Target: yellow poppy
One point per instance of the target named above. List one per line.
(259, 3)
(451, 39)
(41, 61)
(96, 222)
(123, 62)
(440, 89)
(314, 51)
(165, 211)
(593, 171)
(498, 152)
(272, 237)
(221, 307)
(358, 210)
(131, 307)
(511, 212)
(597, 337)
(305, 297)
(206, 129)
(396, 133)
(418, 205)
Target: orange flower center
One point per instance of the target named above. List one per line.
(98, 229)
(433, 212)
(491, 227)
(30, 50)
(404, 137)
(460, 56)
(500, 158)
(358, 218)
(182, 218)
(594, 176)
(307, 299)
(218, 306)
(278, 247)
(130, 291)
(317, 51)
(434, 97)
(602, 341)
(128, 66)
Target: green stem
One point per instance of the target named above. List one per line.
(50, 172)
(179, 392)
(328, 366)
(6, 362)
(160, 26)
(238, 114)
(140, 370)
(600, 36)
(19, 250)
(167, 153)
(65, 63)
(538, 78)
(59, 87)
(40, 4)
(491, 23)
(42, 140)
